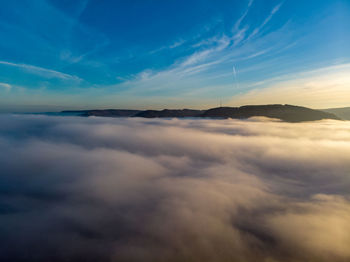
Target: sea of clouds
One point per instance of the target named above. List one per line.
(105, 189)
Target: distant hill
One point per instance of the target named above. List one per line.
(343, 113)
(104, 112)
(288, 113)
(170, 113)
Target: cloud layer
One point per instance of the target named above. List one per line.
(95, 189)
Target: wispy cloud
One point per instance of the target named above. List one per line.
(240, 20)
(216, 53)
(6, 86)
(41, 71)
(272, 13)
(240, 35)
(68, 56)
(177, 44)
(212, 58)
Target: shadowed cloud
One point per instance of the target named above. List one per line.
(96, 189)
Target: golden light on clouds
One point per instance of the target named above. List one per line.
(175, 190)
(323, 88)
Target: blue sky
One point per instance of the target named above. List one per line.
(61, 54)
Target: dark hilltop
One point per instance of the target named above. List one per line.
(288, 113)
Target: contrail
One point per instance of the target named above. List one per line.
(235, 75)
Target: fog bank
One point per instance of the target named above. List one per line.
(104, 189)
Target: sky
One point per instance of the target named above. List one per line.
(83, 54)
